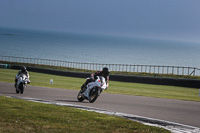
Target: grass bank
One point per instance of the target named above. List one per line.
(159, 91)
(24, 116)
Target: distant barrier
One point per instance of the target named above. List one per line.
(175, 70)
(193, 83)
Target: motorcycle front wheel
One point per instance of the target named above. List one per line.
(93, 94)
(21, 87)
(17, 91)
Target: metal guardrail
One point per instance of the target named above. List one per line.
(175, 70)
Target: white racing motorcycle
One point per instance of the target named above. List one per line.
(21, 83)
(93, 89)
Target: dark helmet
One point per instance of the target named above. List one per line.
(105, 71)
(23, 69)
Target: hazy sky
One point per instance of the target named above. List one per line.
(176, 19)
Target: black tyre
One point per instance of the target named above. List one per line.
(22, 90)
(79, 96)
(21, 87)
(93, 94)
(17, 91)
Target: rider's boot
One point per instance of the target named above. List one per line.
(83, 86)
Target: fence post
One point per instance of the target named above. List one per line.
(172, 70)
(150, 69)
(145, 68)
(153, 69)
(177, 70)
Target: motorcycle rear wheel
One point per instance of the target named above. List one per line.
(80, 97)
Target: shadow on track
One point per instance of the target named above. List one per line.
(72, 101)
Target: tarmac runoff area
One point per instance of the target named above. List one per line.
(171, 126)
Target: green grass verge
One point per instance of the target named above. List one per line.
(24, 116)
(159, 91)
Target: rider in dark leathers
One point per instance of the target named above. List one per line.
(22, 71)
(105, 73)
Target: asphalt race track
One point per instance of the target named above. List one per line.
(178, 111)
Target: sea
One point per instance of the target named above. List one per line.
(94, 48)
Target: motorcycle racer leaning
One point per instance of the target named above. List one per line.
(105, 73)
(22, 71)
